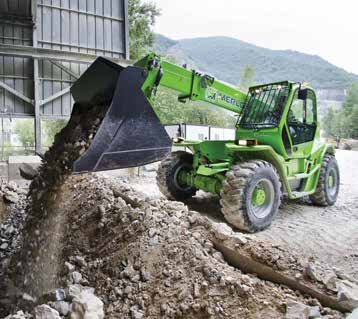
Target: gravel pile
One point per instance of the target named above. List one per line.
(13, 203)
(150, 258)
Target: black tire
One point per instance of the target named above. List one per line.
(238, 190)
(167, 172)
(326, 194)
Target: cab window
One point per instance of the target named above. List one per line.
(301, 118)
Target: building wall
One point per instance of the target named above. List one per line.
(94, 27)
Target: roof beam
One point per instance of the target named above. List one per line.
(56, 55)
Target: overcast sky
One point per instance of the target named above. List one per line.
(328, 28)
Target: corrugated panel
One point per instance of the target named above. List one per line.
(16, 72)
(11, 8)
(85, 26)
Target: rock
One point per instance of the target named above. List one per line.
(11, 197)
(18, 315)
(223, 231)
(330, 281)
(101, 210)
(70, 268)
(27, 171)
(54, 295)
(353, 315)
(46, 312)
(12, 186)
(348, 294)
(314, 313)
(10, 230)
(29, 298)
(80, 261)
(4, 246)
(145, 275)
(311, 272)
(76, 277)
(73, 290)
(136, 314)
(152, 232)
(87, 306)
(62, 307)
(297, 310)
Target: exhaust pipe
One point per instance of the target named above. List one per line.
(131, 133)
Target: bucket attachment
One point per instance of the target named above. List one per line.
(130, 134)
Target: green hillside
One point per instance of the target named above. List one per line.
(225, 58)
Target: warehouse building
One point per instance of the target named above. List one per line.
(45, 45)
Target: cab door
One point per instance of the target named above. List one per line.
(301, 126)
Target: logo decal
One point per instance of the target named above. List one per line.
(211, 94)
(214, 96)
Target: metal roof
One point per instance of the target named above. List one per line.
(15, 8)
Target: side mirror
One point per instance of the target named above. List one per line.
(302, 94)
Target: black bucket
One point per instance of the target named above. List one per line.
(130, 134)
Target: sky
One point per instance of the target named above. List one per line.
(328, 28)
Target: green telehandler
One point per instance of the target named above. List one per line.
(277, 148)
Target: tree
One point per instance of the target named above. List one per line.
(51, 128)
(327, 121)
(353, 122)
(247, 78)
(171, 111)
(141, 18)
(351, 98)
(25, 131)
(344, 123)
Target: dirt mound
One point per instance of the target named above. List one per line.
(155, 258)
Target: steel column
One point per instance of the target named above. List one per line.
(36, 81)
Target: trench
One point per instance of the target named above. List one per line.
(264, 272)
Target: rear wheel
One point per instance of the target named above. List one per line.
(328, 183)
(167, 176)
(251, 194)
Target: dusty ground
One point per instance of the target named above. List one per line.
(328, 234)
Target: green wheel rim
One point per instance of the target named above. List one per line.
(262, 198)
(258, 197)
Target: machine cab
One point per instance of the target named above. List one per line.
(282, 115)
(300, 125)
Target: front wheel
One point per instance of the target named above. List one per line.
(251, 195)
(328, 183)
(167, 176)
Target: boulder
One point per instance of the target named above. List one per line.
(76, 277)
(62, 307)
(11, 197)
(19, 315)
(87, 306)
(314, 312)
(27, 171)
(297, 310)
(348, 294)
(46, 312)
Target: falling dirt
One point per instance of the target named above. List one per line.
(34, 268)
